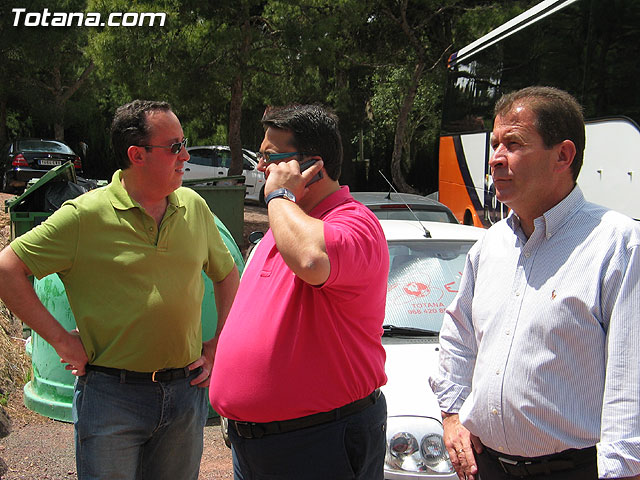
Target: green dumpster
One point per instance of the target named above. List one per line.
(225, 197)
(32, 207)
(50, 391)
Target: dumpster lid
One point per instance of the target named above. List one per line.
(215, 181)
(64, 172)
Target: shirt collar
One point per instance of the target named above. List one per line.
(121, 200)
(555, 217)
(332, 201)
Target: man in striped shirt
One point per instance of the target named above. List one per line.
(539, 367)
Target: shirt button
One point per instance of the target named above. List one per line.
(151, 229)
(508, 332)
(528, 254)
(494, 411)
(497, 372)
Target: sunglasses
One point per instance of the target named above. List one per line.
(274, 157)
(175, 148)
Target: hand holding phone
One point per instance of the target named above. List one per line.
(308, 164)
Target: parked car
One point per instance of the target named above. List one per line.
(393, 206)
(214, 161)
(424, 274)
(27, 158)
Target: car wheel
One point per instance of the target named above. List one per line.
(5, 184)
(262, 197)
(468, 218)
(224, 428)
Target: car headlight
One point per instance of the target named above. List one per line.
(414, 444)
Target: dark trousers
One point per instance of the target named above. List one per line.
(490, 469)
(351, 448)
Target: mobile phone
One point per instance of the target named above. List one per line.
(307, 164)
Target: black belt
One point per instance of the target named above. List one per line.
(127, 376)
(556, 462)
(258, 430)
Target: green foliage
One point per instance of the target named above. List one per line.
(355, 56)
(199, 132)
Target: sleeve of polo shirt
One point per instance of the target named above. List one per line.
(220, 261)
(619, 446)
(355, 245)
(51, 246)
(458, 349)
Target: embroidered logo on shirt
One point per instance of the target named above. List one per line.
(553, 295)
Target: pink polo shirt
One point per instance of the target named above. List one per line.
(289, 349)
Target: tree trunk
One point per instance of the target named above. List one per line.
(58, 112)
(235, 113)
(235, 122)
(401, 131)
(3, 121)
(62, 94)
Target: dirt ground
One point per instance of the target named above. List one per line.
(39, 448)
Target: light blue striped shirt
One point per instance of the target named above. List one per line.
(540, 349)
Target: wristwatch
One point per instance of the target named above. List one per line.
(280, 193)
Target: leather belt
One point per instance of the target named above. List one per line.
(128, 376)
(259, 430)
(557, 462)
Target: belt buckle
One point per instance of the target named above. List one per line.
(246, 430)
(153, 376)
(512, 467)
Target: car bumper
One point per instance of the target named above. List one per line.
(19, 177)
(409, 396)
(417, 476)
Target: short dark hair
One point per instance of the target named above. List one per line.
(130, 127)
(558, 117)
(315, 131)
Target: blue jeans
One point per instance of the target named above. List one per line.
(351, 448)
(138, 430)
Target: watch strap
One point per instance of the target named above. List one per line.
(280, 193)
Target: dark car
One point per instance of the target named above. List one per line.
(399, 206)
(27, 158)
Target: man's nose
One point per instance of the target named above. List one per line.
(497, 157)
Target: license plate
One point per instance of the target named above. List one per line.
(53, 163)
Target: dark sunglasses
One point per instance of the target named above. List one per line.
(274, 157)
(175, 148)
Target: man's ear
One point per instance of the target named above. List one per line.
(135, 154)
(566, 154)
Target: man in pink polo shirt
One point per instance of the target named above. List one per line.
(299, 362)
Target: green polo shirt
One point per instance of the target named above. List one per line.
(135, 289)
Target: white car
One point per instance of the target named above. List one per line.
(425, 271)
(214, 161)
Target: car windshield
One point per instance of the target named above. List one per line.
(424, 276)
(43, 146)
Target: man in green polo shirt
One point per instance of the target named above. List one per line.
(130, 256)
